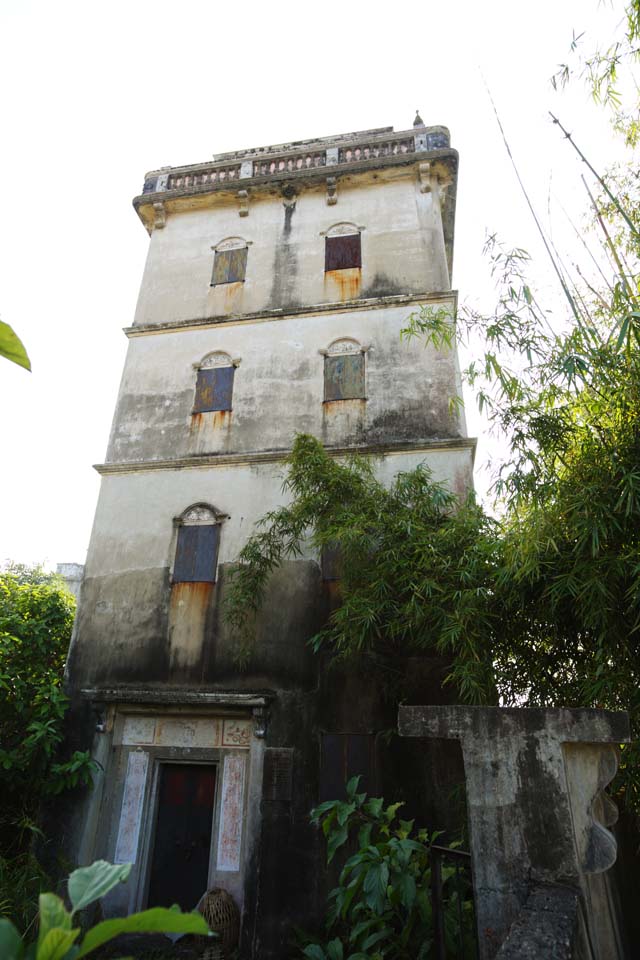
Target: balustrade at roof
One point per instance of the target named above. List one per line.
(244, 171)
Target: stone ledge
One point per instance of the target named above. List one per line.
(282, 313)
(178, 696)
(275, 456)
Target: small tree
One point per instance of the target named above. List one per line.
(418, 565)
(36, 617)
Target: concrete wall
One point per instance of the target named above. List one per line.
(279, 387)
(128, 623)
(402, 249)
(145, 646)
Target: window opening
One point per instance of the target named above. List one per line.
(344, 371)
(342, 252)
(214, 384)
(197, 546)
(229, 262)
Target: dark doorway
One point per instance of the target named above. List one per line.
(180, 858)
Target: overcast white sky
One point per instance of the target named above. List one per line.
(93, 95)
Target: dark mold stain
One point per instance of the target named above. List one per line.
(382, 286)
(550, 846)
(285, 263)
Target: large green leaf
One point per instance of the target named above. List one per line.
(314, 952)
(376, 937)
(334, 949)
(51, 913)
(375, 886)
(12, 348)
(56, 944)
(156, 920)
(88, 884)
(406, 887)
(11, 946)
(336, 840)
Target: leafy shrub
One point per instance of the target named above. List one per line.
(381, 907)
(59, 930)
(36, 618)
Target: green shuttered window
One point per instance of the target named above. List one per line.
(344, 377)
(229, 266)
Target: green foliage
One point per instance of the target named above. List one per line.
(381, 906)
(36, 617)
(417, 564)
(59, 931)
(12, 347)
(566, 401)
(608, 71)
(22, 878)
(543, 606)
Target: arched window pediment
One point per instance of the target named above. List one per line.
(199, 513)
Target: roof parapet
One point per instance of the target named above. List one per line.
(229, 168)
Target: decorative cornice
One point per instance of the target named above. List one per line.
(262, 316)
(178, 696)
(426, 137)
(208, 460)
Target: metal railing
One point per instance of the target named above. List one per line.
(454, 930)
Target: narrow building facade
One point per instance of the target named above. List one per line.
(276, 285)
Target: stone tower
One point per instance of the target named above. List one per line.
(276, 285)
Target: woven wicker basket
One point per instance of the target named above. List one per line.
(221, 913)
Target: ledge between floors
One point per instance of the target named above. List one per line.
(208, 460)
(125, 693)
(284, 313)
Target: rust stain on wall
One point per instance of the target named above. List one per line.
(196, 422)
(231, 293)
(335, 408)
(213, 420)
(188, 610)
(211, 431)
(343, 284)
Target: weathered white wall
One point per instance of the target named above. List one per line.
(133, 527)
(279, 386)
(402, 250)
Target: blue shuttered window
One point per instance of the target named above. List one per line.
(214, 389)
(229, 266)
(197, 553)
(344, 377)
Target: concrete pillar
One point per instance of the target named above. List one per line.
(537, 816)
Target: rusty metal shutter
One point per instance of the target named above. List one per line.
(341, 253)
(214, 389)
(229, 266)
(344, 377)
(346, 755)
(197, 554)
